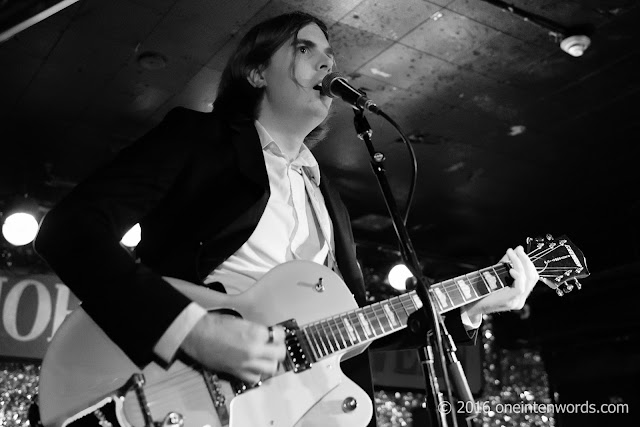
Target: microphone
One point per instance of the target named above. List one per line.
(336, 85)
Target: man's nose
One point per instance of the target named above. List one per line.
(326, 62)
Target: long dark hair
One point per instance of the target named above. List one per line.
(236, 96)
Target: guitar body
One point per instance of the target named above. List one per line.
(83, 375)
(83, 368)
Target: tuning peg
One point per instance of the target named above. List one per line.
(568, 288)
(559, 292)
(578, 284)
(549, 237)
(529, 244)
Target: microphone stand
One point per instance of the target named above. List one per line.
(437, 407)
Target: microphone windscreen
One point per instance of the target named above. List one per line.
(328, 79)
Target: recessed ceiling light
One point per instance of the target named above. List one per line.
(152, 60)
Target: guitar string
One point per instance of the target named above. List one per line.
(394, 302)
(334, 339)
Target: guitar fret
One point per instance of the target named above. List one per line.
(385, 310)
(434, 297)
(356, 324)
(456, 291)
(442, 296)
(344, 342)
(474, 291)
(317, 345)
(327, 336)
(502, 285)
(486, 286)
(343, 321)
(319, 337)
(375, 313)
(410, 297)
(484, 282)
(365, 324)
(491, 279)
(312, 344)
(465, 288)
(375, 324)
(398, 315)
(336, 341)
(350, 329)
(402, 301)
(404, 313)
(385, 318)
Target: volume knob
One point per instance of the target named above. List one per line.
(349, 404)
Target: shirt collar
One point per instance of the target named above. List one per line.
(305, 160)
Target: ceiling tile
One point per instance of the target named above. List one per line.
(471, 91)
(379, 91)
(331, 11)
(354, 47)
(120, 21)
(184, 39)
(403, 66)
(506, 22)
(565, 13)
(388, 18)
(77, 69)
(138, 92)
(501, 56)
(161, 6)
(36, 41)
(272, 9)
(19, 76)
(449, 36)
(225, 16)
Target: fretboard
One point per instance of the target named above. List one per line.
(369, 323)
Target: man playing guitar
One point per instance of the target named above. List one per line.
(222, 198)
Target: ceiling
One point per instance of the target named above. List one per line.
(513, 136)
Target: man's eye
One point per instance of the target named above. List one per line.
(303, 49)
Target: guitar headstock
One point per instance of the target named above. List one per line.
(558, 261)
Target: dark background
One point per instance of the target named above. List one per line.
(514, 137)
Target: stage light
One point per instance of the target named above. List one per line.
(398, 276)
(20, 223)
(132, 237)
(575, 45)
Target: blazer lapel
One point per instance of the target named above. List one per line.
(246, 143)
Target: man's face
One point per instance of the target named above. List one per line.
(295, 69)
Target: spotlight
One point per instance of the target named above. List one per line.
(398, 276)
(20, 225)
(575, 45)
(132, 237)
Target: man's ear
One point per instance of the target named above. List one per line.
(256, 78)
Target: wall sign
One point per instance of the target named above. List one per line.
(32, 307)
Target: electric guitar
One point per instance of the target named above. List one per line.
(86, 380)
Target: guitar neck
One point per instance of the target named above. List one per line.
(366, 324)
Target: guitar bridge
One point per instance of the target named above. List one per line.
(299, 356)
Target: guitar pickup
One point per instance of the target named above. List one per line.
(299, 356)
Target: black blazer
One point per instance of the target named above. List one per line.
(197, 184)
